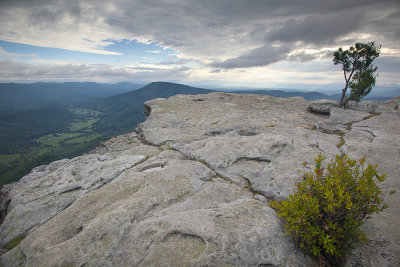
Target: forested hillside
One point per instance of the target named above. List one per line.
(122, 112)
(20, 96)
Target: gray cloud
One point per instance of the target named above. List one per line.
(388, 27)
(260, 56)
(215, 71)
(208, 27)
(215, 27)
(301, 57)
(317, 29)
(388, 64)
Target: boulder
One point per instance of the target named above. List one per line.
(367, 106)
(322, 106)
(340, 120)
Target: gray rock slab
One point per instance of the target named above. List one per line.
(340, 120)
(167, 211)
(367, 106)
(378, 138)
(248, 139)
(47, 190)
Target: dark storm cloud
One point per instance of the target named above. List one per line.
(388, 26)
(260, 56)
(44, 10)
(22, 3)
(317, 29)
(301, 57)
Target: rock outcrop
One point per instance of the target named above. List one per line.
(192, 186)
(322, 106)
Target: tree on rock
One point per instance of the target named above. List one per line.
(358, 70)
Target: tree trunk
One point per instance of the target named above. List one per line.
(347, 79)
(345, 102)
(341, 104)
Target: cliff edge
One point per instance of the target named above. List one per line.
(191, 186)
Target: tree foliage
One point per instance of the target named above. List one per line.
(328, 207)
(358, 70)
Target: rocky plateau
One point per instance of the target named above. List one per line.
(191, 186)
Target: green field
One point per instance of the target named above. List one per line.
(56, 139)
(6, 159)
(83, 139)
(37, 152)
(82, 125)
(85, 112)
(75, 138)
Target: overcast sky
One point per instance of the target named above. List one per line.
(228, 43)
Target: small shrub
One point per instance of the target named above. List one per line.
(328, 207)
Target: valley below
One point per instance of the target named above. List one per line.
(75, 136)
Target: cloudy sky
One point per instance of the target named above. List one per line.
(227, 43)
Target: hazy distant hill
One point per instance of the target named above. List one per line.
(19, 96)
(278, 93)
(122, 112)
(310, 96)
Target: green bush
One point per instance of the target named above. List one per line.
(328, 207)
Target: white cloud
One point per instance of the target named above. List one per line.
(11, 70)
(155, 51)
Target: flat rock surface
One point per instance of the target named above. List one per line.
(192, 187)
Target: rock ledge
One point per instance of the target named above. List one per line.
(191, 187)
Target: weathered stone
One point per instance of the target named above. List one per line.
(392, 104)
(378, 138)
(340, 120)
(322, 106)
(203, 199)
(176, 215)
(48, 190)
(367, 106)
(248, 139)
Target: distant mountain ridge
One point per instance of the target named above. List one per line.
(279, 93)
(125, 110)
(310, 96)
(20, 96)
